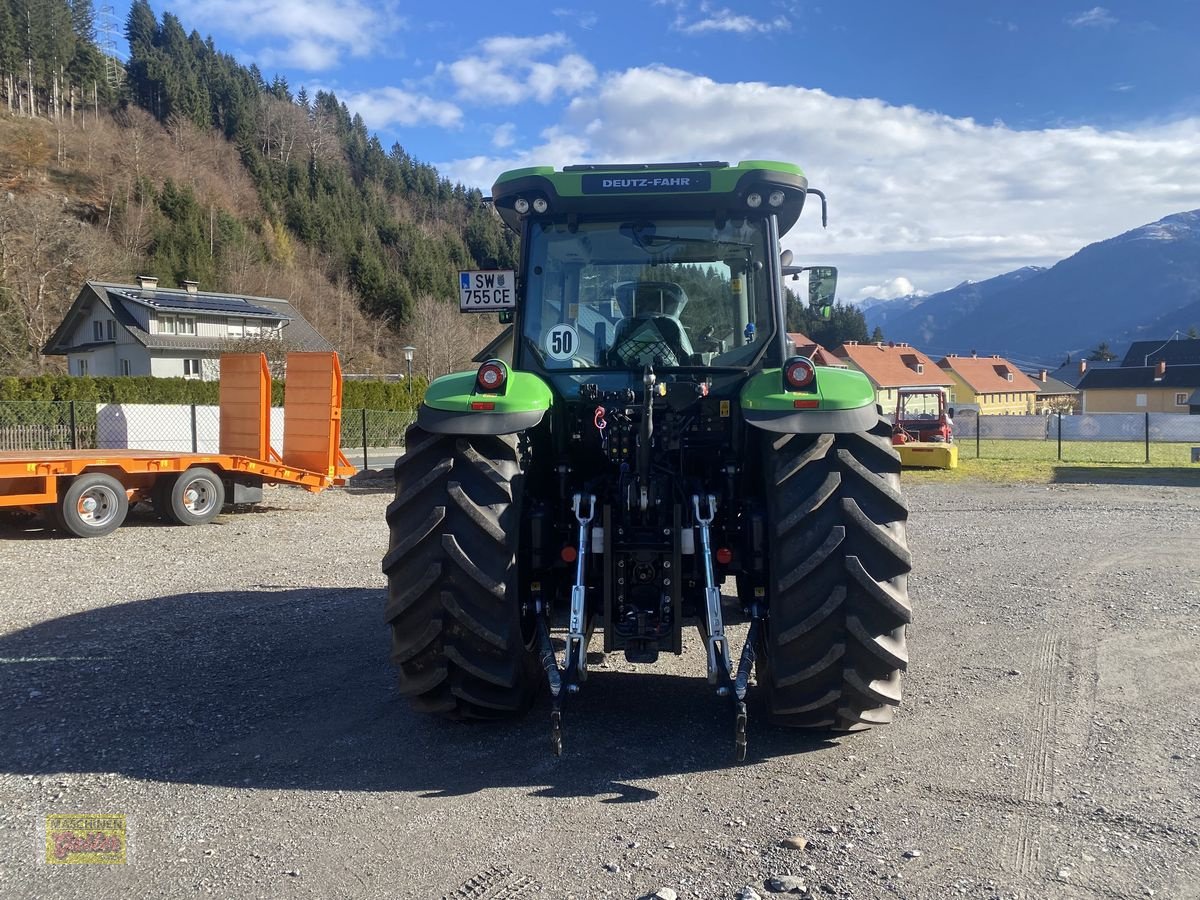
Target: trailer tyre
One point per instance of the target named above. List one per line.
(196, 497)
(459, 640)
(93, 505)
(833, 645)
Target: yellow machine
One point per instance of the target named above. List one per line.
(923, 434)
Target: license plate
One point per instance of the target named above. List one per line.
(487, 290)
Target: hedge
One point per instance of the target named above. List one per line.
(397, 395)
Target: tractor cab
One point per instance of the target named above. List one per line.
(921, 416)
(621, 294)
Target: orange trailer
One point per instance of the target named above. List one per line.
(87, 493)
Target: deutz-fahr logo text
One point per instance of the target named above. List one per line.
(664, 183)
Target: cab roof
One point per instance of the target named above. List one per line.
(685, 188)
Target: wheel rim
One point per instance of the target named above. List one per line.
(97, 506)
(198, 497)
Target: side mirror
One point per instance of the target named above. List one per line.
(822, 286)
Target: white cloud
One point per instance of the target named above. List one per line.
(507, 70)
(583, 18)
(302, 34)
(889, 290)
(1096, 17)
(726, 20)
(938, 198)
(302, 54)
(389, 106)
(504, 135)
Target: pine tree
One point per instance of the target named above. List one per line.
(83, 20)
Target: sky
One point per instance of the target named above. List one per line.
(955, 139)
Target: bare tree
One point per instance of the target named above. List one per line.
(28, 147)
(275, 346)
(42, 251)
(445, 340)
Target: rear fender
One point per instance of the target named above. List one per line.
(454, 405)
(840, 401)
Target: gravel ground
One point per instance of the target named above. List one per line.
(227, 689)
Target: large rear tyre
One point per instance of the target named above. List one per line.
(833, 644)
(459, 640)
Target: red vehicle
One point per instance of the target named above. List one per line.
(921, 417)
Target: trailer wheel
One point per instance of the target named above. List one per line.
(195, 497)
(94, 505)
(833, 645)
(459, 640)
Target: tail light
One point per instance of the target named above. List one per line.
(491, 377)
(799, 374)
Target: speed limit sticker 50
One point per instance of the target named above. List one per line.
(486, 290)
(562, 342)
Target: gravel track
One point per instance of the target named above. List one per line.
(227, 688)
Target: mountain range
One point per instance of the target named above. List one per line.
(1139, 285)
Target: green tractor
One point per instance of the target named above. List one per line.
(651, 434)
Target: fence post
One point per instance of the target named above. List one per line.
(978, 455)
(364, 437)
(74, 429)
(1147, 437)
(195, 432)
(1060, 437)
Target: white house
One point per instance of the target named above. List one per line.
(122, 329)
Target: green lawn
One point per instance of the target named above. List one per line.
(1161, 454)
(1030, 470)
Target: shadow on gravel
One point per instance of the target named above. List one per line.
(292, 689)
(24, 526)
(371, 482)
(1164, 477)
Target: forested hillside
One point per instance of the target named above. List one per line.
(186, 164)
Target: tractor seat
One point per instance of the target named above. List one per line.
(650, 340)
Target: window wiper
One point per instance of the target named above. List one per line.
(680, 239)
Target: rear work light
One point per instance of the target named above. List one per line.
(491, 377)
(799, 374)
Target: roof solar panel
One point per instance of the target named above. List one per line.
(184, 302)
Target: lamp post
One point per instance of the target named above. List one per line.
(408, 355)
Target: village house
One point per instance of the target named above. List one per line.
(1174, 351)
(806, 346)
(1071, 373)
(892, 366)
(123, 329)
(1054, 396)
(1155, 388)
(992, 383)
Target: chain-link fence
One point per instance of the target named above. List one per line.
(1148, 438)
(47, 425)
(67, 425)
(377, 430)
